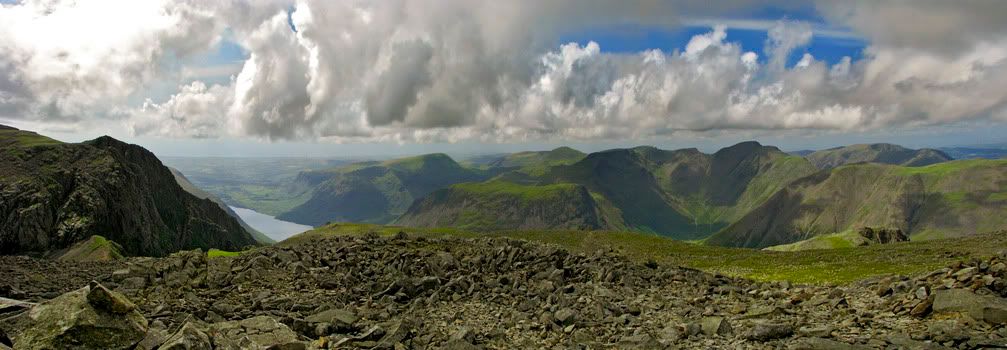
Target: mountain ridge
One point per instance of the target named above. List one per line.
(55, 194)
(673, 193)
(374, 191)
(885, 153)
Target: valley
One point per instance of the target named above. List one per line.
(747, 195)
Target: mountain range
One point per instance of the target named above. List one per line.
(876, 153)
(747, 195)
(55, 194)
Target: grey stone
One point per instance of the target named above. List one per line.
(257, 332)
(189, 337)
(965, 274)
(566, 316)
(980, 307)
(824, 344)
(339, 318)
(105, 299)
(156, 335)
(815, 332)
(638, 341)
(73, 321)
(770, 331)
(946, 330)
(717, 326)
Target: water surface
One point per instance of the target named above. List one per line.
(274, 228)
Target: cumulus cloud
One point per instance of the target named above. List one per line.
(195, 111)
(61, 57)
(451, 70)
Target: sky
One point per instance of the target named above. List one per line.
(389, 77)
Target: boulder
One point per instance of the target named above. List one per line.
(341, 319)
(980, 307)
(87, 318)
(565, 316)
(105, 299)
(769, 331)
(258, 332)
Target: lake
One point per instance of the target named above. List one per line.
(274, 228)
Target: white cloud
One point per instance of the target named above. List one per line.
(196, 111)
(66, 56)
(452, 70)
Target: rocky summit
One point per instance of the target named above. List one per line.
(413, 292)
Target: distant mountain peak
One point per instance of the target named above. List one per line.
(885, 153)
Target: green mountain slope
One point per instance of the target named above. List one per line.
(199, 193)
(684, 194)
(54, 194)
(947, 199)
(375, 192)
(497, 205)
(536, 163)
(876, 153)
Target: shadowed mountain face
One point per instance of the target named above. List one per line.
(876, 153)
(375, 192)
(684, 194)
(55, 194)
(199, 193)
(949, 199)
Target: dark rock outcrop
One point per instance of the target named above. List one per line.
(883, 235)
(53, 195)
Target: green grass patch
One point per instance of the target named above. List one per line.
(526, 192)
(217, 253)
(845, 239)
(25, 138)
(948, 168)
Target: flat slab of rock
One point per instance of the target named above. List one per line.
(980, 307)
(258, 332)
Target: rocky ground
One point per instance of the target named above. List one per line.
(406, 292)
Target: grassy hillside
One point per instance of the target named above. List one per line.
(843, 265)
(876, 153)
(536, 163)
(845, 239)
(683, 194)
(947, 199)
(376, 192)
(96, 248)
(497, 205)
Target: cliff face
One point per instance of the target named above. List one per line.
(54, 194)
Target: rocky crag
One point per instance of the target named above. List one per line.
(407, 292)
(54, 194)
